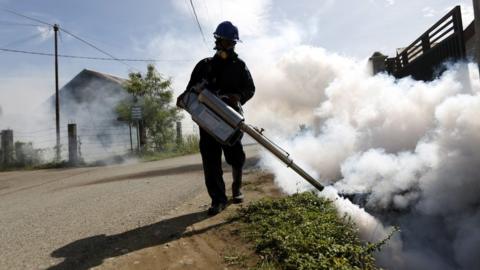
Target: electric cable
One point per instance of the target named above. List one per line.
(71, 34)
(26, 17)
(87, 43)
(22, 40)
(96, 48)
(35, 131)
(60, 36)
(198, 23)
(20, 24)
(93, 58)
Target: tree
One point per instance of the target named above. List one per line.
(154, 95)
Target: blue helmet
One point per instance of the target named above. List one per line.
(226, 30)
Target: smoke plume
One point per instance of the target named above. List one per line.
(88, 100)
(410, 147)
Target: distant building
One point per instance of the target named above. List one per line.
(90, 97)
(89, 100)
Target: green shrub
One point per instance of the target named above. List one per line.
(189, 145)
(304, 231)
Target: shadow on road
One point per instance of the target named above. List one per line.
(249, 163)
(89, 252)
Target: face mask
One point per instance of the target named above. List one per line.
(223, 54)
(224, 48)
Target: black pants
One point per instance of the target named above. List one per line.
(211, 151)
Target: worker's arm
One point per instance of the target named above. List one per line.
(197, 76)
(247, 86)
(199, 73)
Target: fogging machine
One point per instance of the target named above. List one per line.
(226, 125)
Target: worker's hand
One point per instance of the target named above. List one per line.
(199, 87)
(231, 99)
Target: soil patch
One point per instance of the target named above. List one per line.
(200, 243)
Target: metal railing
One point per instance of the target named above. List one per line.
(424, 57)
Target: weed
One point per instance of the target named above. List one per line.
(189, 145)
(235, 259)
(304, 231)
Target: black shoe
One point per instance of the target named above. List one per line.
(237, 197)
(215, 209)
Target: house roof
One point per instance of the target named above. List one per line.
(104, 75)
(89, 85)
(90, 74)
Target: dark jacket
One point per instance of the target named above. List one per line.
(224, 77)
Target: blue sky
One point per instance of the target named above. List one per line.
(167, 31)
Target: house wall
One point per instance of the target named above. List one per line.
(470, 41)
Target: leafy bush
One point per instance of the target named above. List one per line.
(304, 231)
(189, 145)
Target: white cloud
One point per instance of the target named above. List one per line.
(46, 32)
(467, 11)
(250, 16)
(387, 2)
(390, 2)
(428, 12)
(467, 14)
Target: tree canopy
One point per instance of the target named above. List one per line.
(154, 95)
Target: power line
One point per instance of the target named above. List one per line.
(26, 52)
(121, 60)
(20, 24)
(26, 17)
(198, 22)
(95, 47)
(71, 34)
(91, 57)
(187, 5)
(22, 40)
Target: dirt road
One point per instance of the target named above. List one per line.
(48, 216)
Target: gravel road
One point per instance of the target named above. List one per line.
(42, 211)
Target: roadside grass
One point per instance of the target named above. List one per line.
(49, 165)
(188, 146)
(304, 231)
(235, 259)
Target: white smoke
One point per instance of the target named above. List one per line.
(412, 146)
(371, 135)
(91, 106)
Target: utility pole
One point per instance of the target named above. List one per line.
(131, 141)
(72, 144)
(57, 101)
(476, 11)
